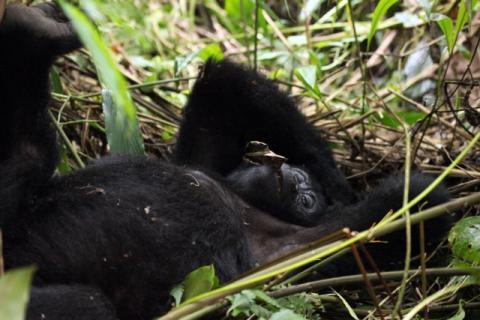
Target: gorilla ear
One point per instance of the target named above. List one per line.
(2, 9)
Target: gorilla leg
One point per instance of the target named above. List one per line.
(360, 216)
(388, 195)
(30, 38)
(231, 105)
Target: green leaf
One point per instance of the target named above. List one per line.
(199, 281)
(446, 25)
(460, 315)
(388, 120)
(243, 11)
(212, 51)
(464, 239)
(14, 293)
(266, 298)
(56, 82)
(462, 18)
(411, 117)
(115, 125)
(241, 303)
(63, 166)
(349, 308)
(380, 10)
(308, 76)
(177, 293)
(286, 314)
(123, 132)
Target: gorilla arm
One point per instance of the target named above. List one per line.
(231, 105)
(271, 238)
(30, 39)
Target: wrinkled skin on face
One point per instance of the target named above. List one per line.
(289, 193)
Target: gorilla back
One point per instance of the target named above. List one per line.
(126, 229)
(133, 227)
(121, 224)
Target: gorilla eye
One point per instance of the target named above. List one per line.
(308, 200)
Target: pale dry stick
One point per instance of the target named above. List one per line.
(426, 74)
(372, 168)
(464, 186)
(358, 279)
(384, 93)
(67, 141)
(376, 57)
(450, 289)
(277, 31)
(358, 120)
(408, 225)
(457, 173)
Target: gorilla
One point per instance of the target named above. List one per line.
(110, 240)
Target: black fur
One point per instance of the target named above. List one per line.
(71, 302)
(232, 105)
(126, 229)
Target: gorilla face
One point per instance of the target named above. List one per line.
(288, 193)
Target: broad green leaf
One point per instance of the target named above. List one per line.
(446, 25)
(177, 293)
(462, 17)
(460, 315)
(123, 132)
(63, 166)
(464, 239)
(56, 82)
(241, 303)
(411, 117)
(380, 10)
(14, 293)
(308, 76)
(243, 11)
(388, 120)
(199, 281)
(212, 51)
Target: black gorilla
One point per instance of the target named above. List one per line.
(112, 239)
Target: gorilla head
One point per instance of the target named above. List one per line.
(289, 192)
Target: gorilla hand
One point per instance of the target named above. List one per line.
(42, 29)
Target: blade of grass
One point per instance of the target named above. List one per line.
(380, 10)
(123, 132)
